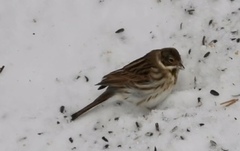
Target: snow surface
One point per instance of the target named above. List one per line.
(54, 52)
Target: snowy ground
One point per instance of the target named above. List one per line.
(55, 51)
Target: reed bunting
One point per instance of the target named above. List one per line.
(145, 82)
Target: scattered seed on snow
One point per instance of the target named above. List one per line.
(62, 109)
(238, 40)
(116, 118)
(234, 32)
(174, 129)
(203, 40)
(86, 78)
(157, 127)
(215, 93)
(1, 69)
(137, 124)
(74, 148)
(199, 102)
(224, 149)
(22, 139)
(70, 140)
(181, 26)
(106, 146)
(119, 30)
(195, 82)
(155, 148)
(40, 133)
(190, 11)
(223, 69)
(78, 77)
(149, 134)
(210, 22)
(207, 54)
(214, 41)
(105, 139)
(213, 143)
(199, 99)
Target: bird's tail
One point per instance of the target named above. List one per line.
(103, 97)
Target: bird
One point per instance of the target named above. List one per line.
(145, 82)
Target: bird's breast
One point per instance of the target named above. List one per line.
(152, 93)
(166, 85)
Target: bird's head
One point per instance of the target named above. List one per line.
(171, 59)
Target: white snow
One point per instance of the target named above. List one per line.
(48, 47)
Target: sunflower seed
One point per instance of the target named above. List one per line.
(215, 93)
(105, 139)
(119, 30)
(207, 54)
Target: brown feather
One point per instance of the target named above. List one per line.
(137, 71)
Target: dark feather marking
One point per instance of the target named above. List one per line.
(149, 99)
(160, 85)
(135, 65)
(155, 95)
(139, 103)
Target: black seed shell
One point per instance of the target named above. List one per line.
(215, 93)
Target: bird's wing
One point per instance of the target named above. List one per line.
(135, 72)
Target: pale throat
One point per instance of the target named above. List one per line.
(173, 70)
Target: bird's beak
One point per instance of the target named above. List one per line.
(180, 66)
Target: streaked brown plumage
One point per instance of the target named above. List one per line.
(146, 81)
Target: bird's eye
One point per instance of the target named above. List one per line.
(171, 60)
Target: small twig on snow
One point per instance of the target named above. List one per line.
(230, 102)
